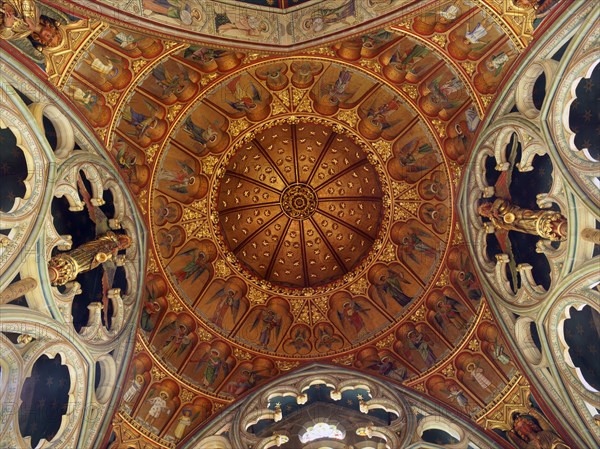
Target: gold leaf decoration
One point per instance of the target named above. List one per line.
(222, 270)
(389, 252)
(418, 315)
(207, 79)
(173, 111)
(208, 164)
(474, 345)
(386, 342)
(443, 279)
(256, 296)
(360, 287)
(240, 354)
(113, 97)
(419, 387)
(348, 116)
(469, 67)
(448, 371)
(237, 126)
(383, 148)
(186, 395)
(371, 64)
(138, 65)
(158, 374)
(174, 303)
(487, 100)
(286, 365)
(411, 90)
(346, 360)
(439, 127)
(151, 152)
(440, 39)
(203, 334)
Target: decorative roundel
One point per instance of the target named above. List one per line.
(300, 208)
(300, 205)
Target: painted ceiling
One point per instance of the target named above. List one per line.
(299, 206)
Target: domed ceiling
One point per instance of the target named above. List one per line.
(300, 208)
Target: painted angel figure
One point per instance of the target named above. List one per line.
(326, 339)
(442, 94)
(448, 311)
(404, 61)
(245, 98)
(243, 383)
(422, 344)
(499, 353)
(212, 364)
(195, 267)
(201, 135)
(379, 116)
(457, 395)
(475, 35)
(300, 340)
(181, 179)
(86, 98)
(322, 17)
(388, 284)
(271, 323)
(102, 251)
(412, 244)
(141, 122)
(107, 66)
(177, 342)
(449, 14)
(248, 25)
(352, 314)
(150, 311)
(410, 154)
(229, 301)
(386, 366)
(496, 62)
(171, 84)
(336, 91)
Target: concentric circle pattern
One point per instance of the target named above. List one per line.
(300, 205)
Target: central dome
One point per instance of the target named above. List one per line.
(299, 204)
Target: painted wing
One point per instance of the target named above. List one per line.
(168, 327)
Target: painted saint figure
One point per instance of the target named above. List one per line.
(183, 423)
(159, 404)
(422, 344)
(213, 364)
(478, 376)
(134, 388)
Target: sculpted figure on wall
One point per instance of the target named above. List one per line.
(547, 224)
